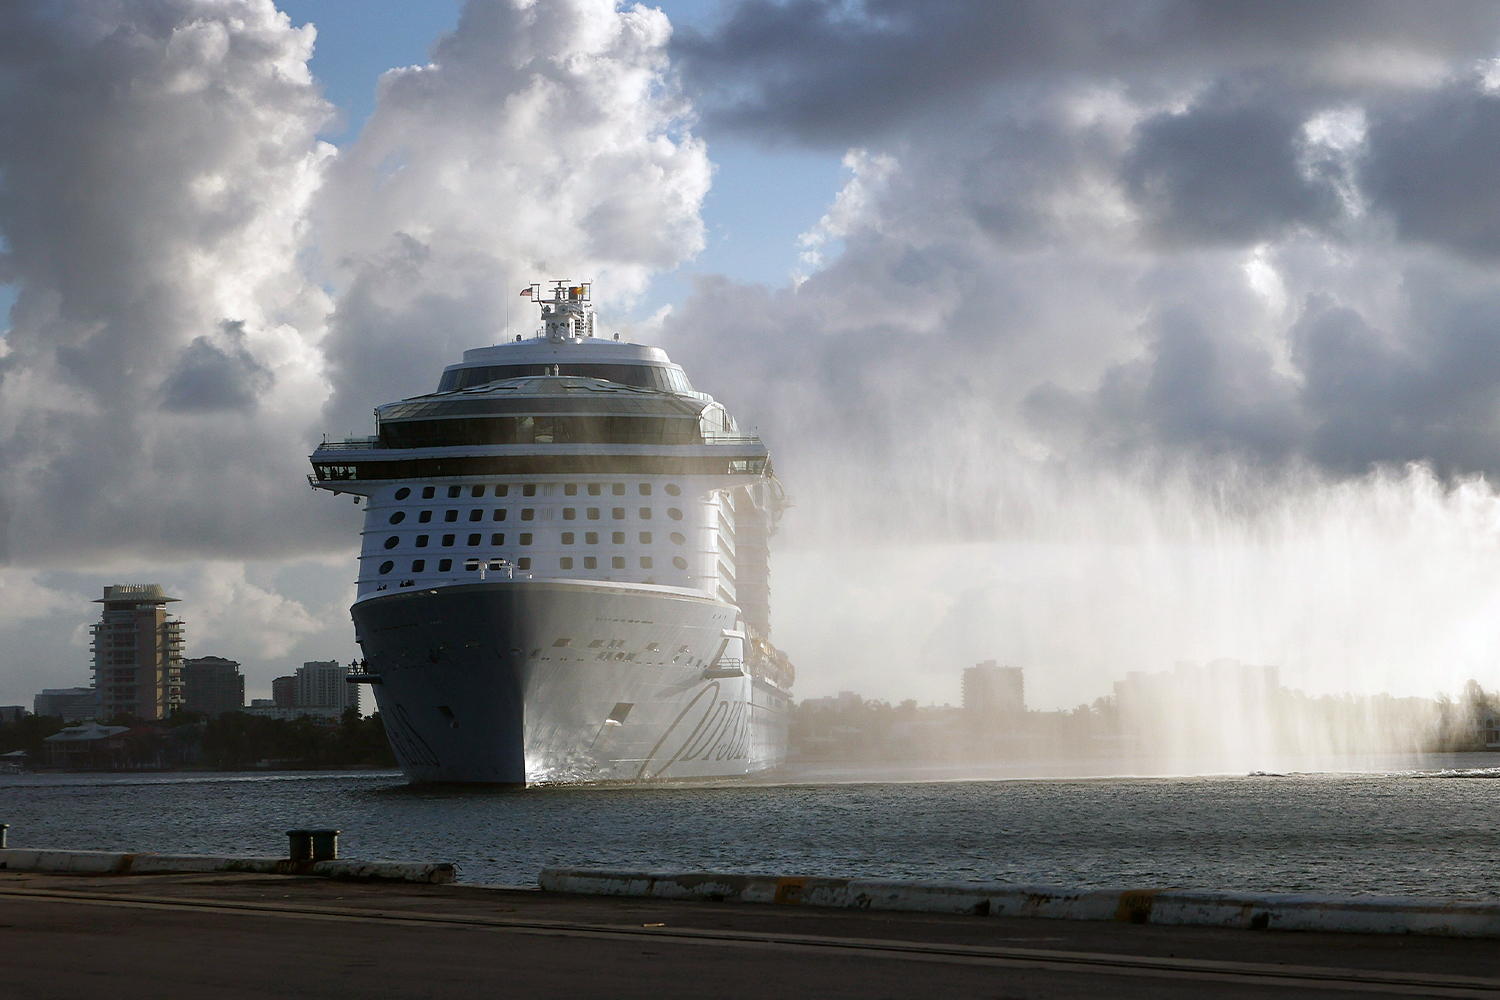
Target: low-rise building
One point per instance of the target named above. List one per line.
(11, 714)
(87, 746)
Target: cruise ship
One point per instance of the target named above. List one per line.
(564, 572)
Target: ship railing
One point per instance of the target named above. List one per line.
(353, 444)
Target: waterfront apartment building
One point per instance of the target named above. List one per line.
(212, 685)
(137, 653)
(69, 704)
(323, 685)
(993, 694)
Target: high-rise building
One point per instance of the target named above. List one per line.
(324, 685)
(994, 694)
(212, 685)
(137, 653)
(284, 692)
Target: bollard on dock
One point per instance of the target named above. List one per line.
(3, 828)
(313, 845)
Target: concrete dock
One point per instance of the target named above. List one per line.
(228, 934)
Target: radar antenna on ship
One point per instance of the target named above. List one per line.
(569, 315)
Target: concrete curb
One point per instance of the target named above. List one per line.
(1181, 907)
(116, 863)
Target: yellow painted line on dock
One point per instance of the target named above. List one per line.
(1314, 977)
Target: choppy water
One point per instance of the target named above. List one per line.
(1429, 833)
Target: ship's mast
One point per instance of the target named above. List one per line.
(568, 316)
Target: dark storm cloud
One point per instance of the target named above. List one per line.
(826, 72)
(1433, 163)
(209, 377)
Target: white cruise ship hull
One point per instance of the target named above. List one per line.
(526, 681)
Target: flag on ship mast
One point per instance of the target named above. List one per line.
(526, 292)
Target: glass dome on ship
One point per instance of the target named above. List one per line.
(564, 572)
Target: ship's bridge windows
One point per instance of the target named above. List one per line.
(393, 541)
(475, 539)
(570, 490)
(448, 541)
(444, 565)
(450, 515)
(428, 492)
(476, 492)
(595, 489)
(528, 513)
(497, 539)
(645, 489)
(403, 493)
(422, 541)
(398, 517)
(477, 514)
(386, 567)
(679, 538)
(454, 491)
(673, 490)
(418, 565)
(424, 517)
(618, 538)
(679, 562)
(645, 538)
(658, 377)
(674, 513)
(591, 538)
(566, 562)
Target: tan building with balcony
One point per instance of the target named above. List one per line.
(137, 653)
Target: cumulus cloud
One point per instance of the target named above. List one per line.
(158, 159)
(541, 140)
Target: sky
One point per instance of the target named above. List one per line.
(1087, 337)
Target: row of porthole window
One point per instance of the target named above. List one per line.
(524, 563)
(529, 490)
(529, 514)
(525, 538)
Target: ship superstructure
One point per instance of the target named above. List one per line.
(564, 568)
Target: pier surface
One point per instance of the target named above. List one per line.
(230, 935)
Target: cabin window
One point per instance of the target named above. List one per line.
(476, 514)
(454, 491)
(451, 515)
(474, 539)
(566, 562)
(428, 492)
(570, 513)
(618, 489)
(472, 565)
(645, 562)
(398, 517)
(418, 565)
(502, 491)
(645, 489)
(523, 563)
(529, 490)
(421, 541)
(645, 513)
(447, 541)
(618, 513)
(498, 538)
(528, 513)
(679, 538)
(567, 538)
(591, 538)
(618, 562)
(393, 541)
(589, 562)
(386, 567)
(674, 513)
(594, 489)
(444, 565)
(592, 513)
(425, 516)
(403, 493)
(499, 514)
(645, 538)
(679, 562)
(673, 490)
(570, 490)
(525, 538)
